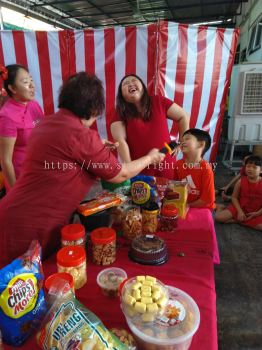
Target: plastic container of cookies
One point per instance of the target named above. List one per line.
(72, 259)
(173, 329)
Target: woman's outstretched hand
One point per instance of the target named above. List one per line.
(156, 156)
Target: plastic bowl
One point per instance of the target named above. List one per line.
(110, 279)
(171, 331)
(143, 298)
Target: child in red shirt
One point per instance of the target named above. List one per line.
(246, 207)
(195, 170)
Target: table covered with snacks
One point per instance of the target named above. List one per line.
(190, 267)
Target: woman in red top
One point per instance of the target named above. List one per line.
(18, 116)
(64, 156)
(246, 207)
(140, 123)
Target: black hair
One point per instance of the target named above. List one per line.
(254, 160)
(200, 135)
(12, 74)
(127, 110)
(83, 95)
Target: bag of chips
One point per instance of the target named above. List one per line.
(68, 325)
(22, 302)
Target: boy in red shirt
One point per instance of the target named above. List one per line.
(246, 207)
(195, 170)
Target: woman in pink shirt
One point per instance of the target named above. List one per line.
(18, 116)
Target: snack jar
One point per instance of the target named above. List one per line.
(104, 245)
(132, 222)
(150, 218)
(56, 278)
(168, 218)
(73, 234)
(72, 259)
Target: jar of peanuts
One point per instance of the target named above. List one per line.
(72, 259)
(104, 245)
(150, 218)
(73, 234)
(168, 218)
(132, 222)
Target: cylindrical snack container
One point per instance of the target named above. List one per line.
(72, 259)
(103, 245)
(73, 234)
(168, 218)
(58, 276)
(132, 222)
(150, 218)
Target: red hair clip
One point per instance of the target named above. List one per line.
(3, 72)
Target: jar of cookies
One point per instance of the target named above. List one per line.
(72, 259)
(103, 245)
(132, 222)
(73, 234)
(150, 218)
(168, 218)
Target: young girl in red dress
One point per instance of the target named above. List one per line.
(246, 207)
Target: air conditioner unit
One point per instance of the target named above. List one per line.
(245, 103)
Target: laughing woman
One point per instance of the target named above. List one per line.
(140, 123)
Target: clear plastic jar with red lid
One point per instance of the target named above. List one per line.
(57, 278)
(168, 218)
(72, 260)
(73, 234)
(104, 245)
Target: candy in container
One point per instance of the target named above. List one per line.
(171, 330)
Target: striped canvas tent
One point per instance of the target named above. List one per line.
(189, 64)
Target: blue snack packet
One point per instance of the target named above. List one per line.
(22, 303)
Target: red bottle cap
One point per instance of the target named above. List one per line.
(103, 235)
(51, 280)
(71, 256)
(169, 210)
(72, 232)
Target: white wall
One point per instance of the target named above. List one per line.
(250, 12)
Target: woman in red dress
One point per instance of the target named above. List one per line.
(140, 123)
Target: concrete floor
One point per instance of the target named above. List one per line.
(238, 281)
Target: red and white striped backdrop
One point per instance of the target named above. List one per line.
(189, 64)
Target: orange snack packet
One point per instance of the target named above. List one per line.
(103, 201)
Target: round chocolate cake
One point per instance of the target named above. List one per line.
(148, 250)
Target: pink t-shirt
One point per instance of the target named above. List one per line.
(17, 120)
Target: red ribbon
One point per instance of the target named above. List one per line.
(3, 72)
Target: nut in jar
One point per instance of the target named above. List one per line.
(132, 222)
(104, 245)
(72, 260)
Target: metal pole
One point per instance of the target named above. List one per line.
(1, 19)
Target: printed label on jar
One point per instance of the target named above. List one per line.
(174, 314)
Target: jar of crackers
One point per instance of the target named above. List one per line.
(72, 260)
(103, 245)
(150, 218)
(132, 222)
(73, 234)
